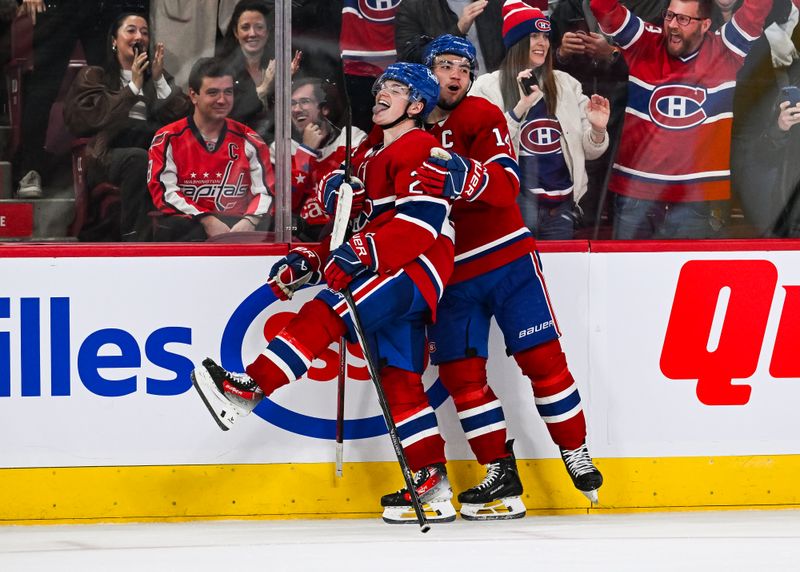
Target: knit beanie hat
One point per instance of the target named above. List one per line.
(520, 20)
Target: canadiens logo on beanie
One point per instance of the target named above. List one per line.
(520, 20)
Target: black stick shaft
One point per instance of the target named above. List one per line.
(387, 414)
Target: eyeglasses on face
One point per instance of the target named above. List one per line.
(302, 102)
(683, 19)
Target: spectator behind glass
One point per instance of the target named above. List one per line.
(419, 21)
(553, 125)
(585, 54)
(671, 175)
(318, 147)
(209, 174)
(778, 149)
(121, 105)
(58, 25)
(753, 182)
(248, 51)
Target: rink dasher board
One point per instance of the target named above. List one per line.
(91, 409)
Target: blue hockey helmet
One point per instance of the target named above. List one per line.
(450, 44)
(422, 84)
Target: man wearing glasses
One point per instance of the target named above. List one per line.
(671, 177)
(318, 147)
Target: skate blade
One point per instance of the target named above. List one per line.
(435, 512)
(501, 509)
(592, 496)
(221, 410)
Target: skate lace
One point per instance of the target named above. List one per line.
(241, 380)
(492, 474)
(578, 460)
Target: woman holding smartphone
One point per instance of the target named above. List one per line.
(554, 126)
(120, 106)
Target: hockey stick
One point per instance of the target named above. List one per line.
(342, 230)
(341, 222)
(387, 414)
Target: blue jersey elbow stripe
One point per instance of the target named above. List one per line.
(288, 355)
(483, 419)
(560, 407)
(508, 163)
(629, 31)
(430, 213)
(414, 426)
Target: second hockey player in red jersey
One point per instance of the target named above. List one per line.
(497, 274)
(395, 266)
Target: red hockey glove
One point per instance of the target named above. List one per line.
(300, 267)
(464, 178)
(351, 259)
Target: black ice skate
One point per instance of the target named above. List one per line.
(227, 395)
(584, 474)
(433, 489)
(497, 497)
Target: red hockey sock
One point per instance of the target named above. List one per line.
(479, 410)
(415, 419)
(288, 356)
(555, 393)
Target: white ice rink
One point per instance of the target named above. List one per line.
(728, 540)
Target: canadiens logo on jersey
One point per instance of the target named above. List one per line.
(677, 106)
(378, 10)
(540, 137)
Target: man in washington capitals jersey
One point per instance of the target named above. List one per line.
(209, 174)
(672, 171)
(497, 273)
(395, 265)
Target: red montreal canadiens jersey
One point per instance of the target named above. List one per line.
(675, 143)
(367, 36)
(490, 231)
(412, 231)
(185, 178)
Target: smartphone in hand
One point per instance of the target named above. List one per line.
(528, 83)
(790, 93)
(578, 26)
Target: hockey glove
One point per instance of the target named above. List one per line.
(328, 192)
(463, 178)
(300, 267)
(354, 257)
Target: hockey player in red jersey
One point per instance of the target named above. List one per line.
(671, 175)
(209, 174)
(497, 274)
(395, 265)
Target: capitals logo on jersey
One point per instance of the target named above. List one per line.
(541, 137)
(378, 10)
(226, 194)
(677, 106)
